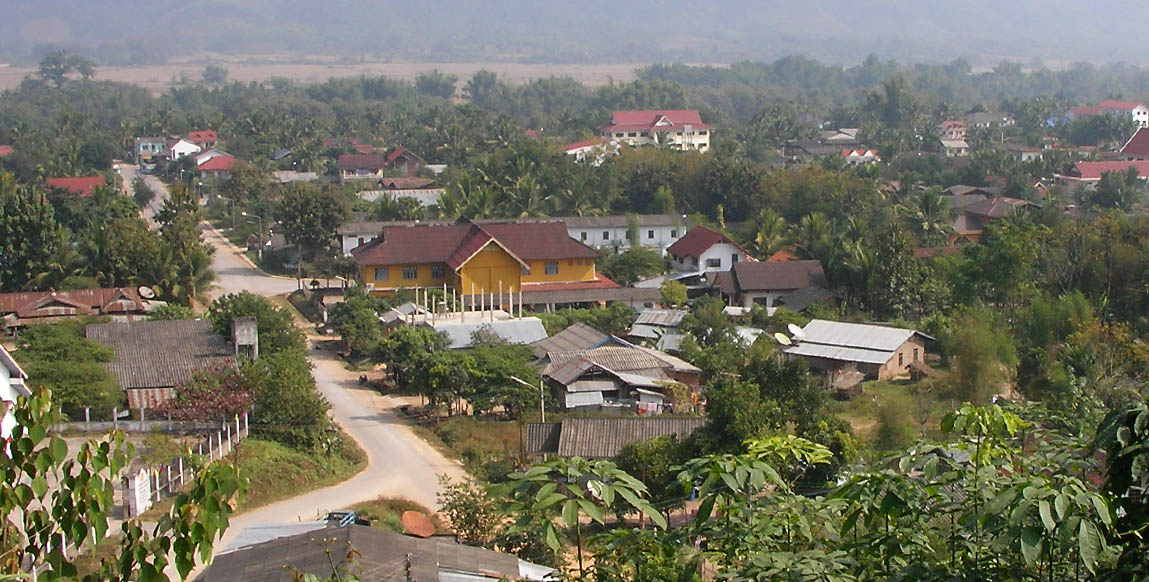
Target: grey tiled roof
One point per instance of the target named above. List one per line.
(577, 336)
(158, 354)
(602, 438)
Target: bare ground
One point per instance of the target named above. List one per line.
(159, 78)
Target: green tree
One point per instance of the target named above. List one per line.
(309, 215)
(470, 509)
(46, 528)
(633, 264)
(61, 358)
(673, 294)
(277, 331)
(436, 84)
(406, 350)
(170, 312)
(56, 66)
(29, 237)
(214, 75)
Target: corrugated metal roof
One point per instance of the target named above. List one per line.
(542, 437)
(160, 354)
(577, 336)
(840, 353)
(575, 399)
(599, 438)
(661, 317)
(516, 331)
(647, 331)
(855, 335)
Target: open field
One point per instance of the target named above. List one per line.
(159, 78)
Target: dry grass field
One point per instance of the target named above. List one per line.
(159, 78)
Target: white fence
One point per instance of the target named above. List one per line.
(151, 484)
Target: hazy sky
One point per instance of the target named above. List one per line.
(842, 31)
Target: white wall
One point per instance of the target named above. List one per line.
(664, 236)
(724, 253)
(8, 393)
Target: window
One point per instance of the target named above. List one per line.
(526, 271)
(632, 134)
(900, 357)
(381, 274)
(360, 241)
(570, 263)
(646, 134)
(734, 258)
(694, 261)
(410, 273)
(619, 134)
(650, 234)
(437, 271)
(674, 233)
(606, 235)
(582, 236)
(915, 354)
(680, 134)
(713, 263)
(703, 132)
(552, 268)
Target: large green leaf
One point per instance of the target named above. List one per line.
(1044, 509)
(1031, 545)
(1088, 544)
(551, 537)
(570, 513)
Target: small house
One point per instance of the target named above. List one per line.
(704, 249)
(770, 284)
(360, 166)
(876, 351)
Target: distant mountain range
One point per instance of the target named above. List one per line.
(592, 31)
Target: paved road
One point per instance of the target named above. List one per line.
(128, 175)
(235, 272)
(399, 463)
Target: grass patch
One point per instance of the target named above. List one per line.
(488, 448)
(923, 407)
(384, 513)
(276, 471)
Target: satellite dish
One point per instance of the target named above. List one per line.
(146, 292)
(782, 339)
(417, 524)
(796, 332)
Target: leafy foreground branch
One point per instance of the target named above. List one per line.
(55, 506)
(1005, 497)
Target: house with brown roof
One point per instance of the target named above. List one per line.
(617, 376)
(703, 249)
(772, 284)
(79, 185)
(360, 166)
(154, 357)
(603, 438)
(680, 129)
(20, 310)
(404, 161)
(470, 257)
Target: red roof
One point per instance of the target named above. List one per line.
(361, 162)
(1094, 170)
(39, 304)
(782, 255)
(218, 164)
(1138, 145)
(203, 136)
(1119, 105)
(400, 151)
(585, 144)
(660, 119)
(5, 150)
(600, 282)
(698, 240)
(82, 185)
(455, 244)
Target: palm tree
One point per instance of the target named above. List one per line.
(930, 216)
(770, 234)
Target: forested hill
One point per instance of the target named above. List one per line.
(841, 31)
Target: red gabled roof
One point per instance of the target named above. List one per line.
(585, 144)
(202, 136)
(1094, 170)
(1119, 105)
(391, 157)
(81, 185)
(5, 150)
(32, 304)
(649, 119)
(698, 240)
(600, 282)
(1138, 145)
(361, 162)
(218, 164)
(454, 244)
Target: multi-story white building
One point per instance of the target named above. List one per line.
(1137, 111)
(680, 129)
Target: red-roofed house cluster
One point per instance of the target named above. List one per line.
(681, 129)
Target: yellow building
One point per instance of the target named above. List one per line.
(472, 259)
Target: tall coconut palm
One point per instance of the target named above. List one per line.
(930, 216)
(770, 234)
